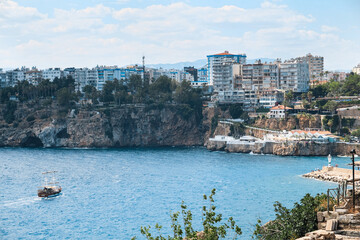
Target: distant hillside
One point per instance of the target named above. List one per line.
(197, 64)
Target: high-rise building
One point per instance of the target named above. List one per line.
(257, 76)
(316, 66)
(294, 75)
(220, 71)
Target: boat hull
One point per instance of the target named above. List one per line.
(49, 192)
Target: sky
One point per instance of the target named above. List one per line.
(78, 33)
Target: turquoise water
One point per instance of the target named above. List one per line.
(110, 193)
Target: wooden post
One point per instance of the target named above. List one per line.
(328, 200)
(353, 152)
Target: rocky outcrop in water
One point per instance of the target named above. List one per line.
(119, 127)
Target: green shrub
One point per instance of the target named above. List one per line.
(356, 133)
(292, 223)
(236, 110)
(214, 227)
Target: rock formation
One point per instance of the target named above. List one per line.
(119, 127)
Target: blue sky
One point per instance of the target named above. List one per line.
(51, 33)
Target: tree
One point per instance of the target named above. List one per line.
(135, 83)
(161, 90)
(236, 110)
(306, 104)
(213, 227)
(292, 223)
(107, 92)
(185, 94)
(331, 106)
(64, 97)
(9, 112)
(319, 91)
(333, 88)
(88, 90)
(351, 86)
(289, 96)
(330, 123)
(309, 96)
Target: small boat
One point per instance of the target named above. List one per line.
(49, 189)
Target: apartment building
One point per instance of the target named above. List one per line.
(52, 73)
(33, 76)
(356, 69)
(220, 71)
(3, 82)
(294, 76)
(201, 78)
(269, 98)
(316, 66)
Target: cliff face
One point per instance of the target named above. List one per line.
(291, 123)
(128, 126)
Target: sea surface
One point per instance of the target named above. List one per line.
(111, 193)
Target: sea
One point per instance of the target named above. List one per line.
(111, 193)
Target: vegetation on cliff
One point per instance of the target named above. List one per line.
(349, 87)
(134, 90)
(292, 223)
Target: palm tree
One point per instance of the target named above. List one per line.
(330, 123)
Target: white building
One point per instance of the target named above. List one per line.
(231, 96)
(356, 69)
(52, 73)
(294, 75)
(278, 111)
(316, 66)
(33, 76)
(220, 71)
(269, 98)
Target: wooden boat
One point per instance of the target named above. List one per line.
(49, 189)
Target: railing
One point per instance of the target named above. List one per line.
(338, 194)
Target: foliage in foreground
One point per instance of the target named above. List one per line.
(292, 223)
(214, 228)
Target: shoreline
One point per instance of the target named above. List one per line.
(332, 174)
(286, 148)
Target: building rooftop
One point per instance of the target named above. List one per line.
(224, 53)
(280, 107)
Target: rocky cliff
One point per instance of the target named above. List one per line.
(298, 122)
(291, 148)
(118, 127)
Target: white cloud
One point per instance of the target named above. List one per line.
(164, 33)
(10, 10)
(326, 28)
